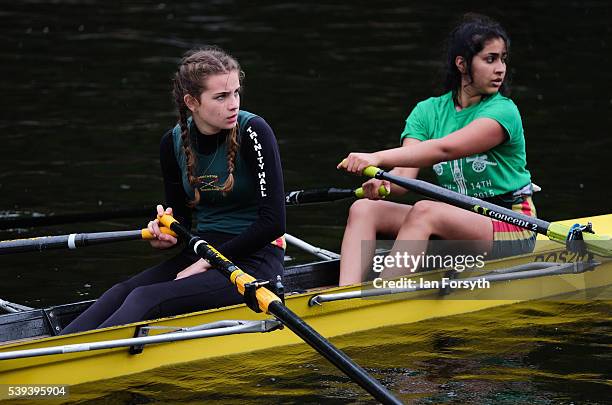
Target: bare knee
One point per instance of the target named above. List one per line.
(362, 210)
(422, 210)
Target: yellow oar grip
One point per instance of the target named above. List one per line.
(382, 192)
(263, 295)
(166, 220)
(148, 235)
(371, 171)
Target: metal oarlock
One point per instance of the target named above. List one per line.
(279, 289)
(250, 291)
(575, 239)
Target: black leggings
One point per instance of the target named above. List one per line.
(154, 293)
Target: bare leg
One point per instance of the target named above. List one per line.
(427, 218)
(366, 219)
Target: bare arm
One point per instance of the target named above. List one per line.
(479, 136)
(372, 186)
(410, 172)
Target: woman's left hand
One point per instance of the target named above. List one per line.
(162, 240)
(198, 267)
(356, 162)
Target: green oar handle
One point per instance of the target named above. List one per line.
(597, 244)
(319, 195)
(382, 192)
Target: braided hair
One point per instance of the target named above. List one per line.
(194, 69)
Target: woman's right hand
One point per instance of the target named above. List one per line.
(162, 240)
(371, 187)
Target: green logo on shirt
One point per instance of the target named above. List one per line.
(209, 182)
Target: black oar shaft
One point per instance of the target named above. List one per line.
(331, 353)
(270, 303)
(597, 244)
(74, 240)
(71, 241)
(299, 197)
(317, 195)
(291, 198)
(466, 202)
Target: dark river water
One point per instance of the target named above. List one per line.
(86, 98)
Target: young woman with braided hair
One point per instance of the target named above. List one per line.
(221, 169)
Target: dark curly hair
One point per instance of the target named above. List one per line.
(467, 39)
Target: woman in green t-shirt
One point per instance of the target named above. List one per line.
(473, 137)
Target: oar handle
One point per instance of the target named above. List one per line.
(318, 195)
(382, 192)
(371, 171)
(149, 236)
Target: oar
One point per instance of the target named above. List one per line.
(327, 195)
(74, 240)
(597, 244)
(313, 250)
(13, 307)
(302, 197)
(298, 197)
(260, 299)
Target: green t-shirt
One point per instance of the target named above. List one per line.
(498, 171)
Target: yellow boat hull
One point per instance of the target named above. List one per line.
(330, 319)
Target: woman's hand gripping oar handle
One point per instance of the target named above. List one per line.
(74, 240)
(359, 192)
(371, 171)
(382, 192)
(147, 235)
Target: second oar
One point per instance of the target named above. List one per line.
(318, 195)
(578, 236)
(74, 240)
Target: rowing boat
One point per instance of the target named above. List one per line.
(311, 293)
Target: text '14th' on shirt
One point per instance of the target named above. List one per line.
(500, 170)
